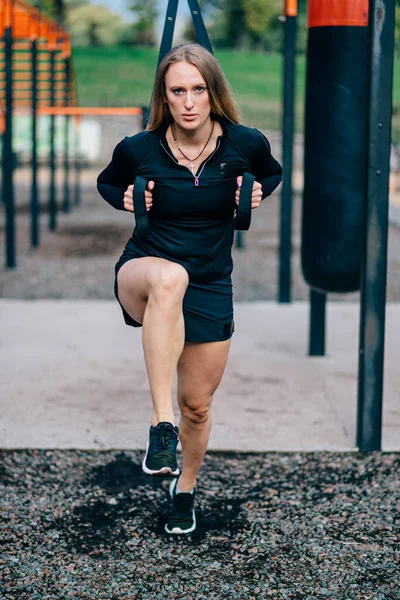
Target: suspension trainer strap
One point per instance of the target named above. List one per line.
(169, 27)
(139, 203)
(243, 212)
(200, 28)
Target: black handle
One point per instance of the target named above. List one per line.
(139, 203)
(243, 211)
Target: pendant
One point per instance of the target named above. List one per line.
(191, 167)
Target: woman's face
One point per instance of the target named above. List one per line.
(187, 95)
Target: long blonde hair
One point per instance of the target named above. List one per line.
(221, 99)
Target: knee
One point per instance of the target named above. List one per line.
(170, 283)
(197, 413)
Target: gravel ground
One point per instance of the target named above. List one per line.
(77, 261)
(78, 524)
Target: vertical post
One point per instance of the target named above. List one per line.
(52, 189)
(145, 116)
(8, 158)
(66, 138)
(373, 288)
(285, 247)
(34, 159)
(317, 323)
(77, 162)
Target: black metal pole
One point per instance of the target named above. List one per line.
(67, 206)
(373, 288)
(52, 189)
(34, 159)
(317, 323)
(8, 158)
(285, 248)
(77, 163)
(145, 116)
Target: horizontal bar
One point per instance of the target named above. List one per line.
(86, 111)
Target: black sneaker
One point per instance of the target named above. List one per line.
(160, 457)
(182, 518)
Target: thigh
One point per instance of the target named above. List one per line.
(139, 276)
(200, 369)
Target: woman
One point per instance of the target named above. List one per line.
(176, 282)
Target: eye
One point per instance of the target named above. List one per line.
(177, 91)
(200, 89)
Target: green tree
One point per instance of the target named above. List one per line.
(93, 25)
(258, 17)
(57, 9)
(241, 24)
(143, 32)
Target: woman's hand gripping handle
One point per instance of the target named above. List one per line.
(138, 198)
(244, 200)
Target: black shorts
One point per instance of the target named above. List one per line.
(207, 308)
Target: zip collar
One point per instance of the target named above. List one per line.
(162, 131)
(202, 165)
(162, 138)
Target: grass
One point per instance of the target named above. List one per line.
(124, 77)
(121, 76)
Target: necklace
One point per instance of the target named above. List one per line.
(192, 160)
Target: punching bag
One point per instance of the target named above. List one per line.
(335, 149)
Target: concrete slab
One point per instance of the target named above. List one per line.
(73, 376)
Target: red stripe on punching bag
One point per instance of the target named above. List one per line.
(331, 13)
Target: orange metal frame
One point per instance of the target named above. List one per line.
(29, 24)
(291, 8)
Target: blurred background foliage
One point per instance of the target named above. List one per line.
(243, 25)
(239, 24)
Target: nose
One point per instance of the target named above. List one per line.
(189, 101)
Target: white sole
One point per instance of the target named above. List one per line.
(163, 471)
(178, 530)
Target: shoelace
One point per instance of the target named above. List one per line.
(165, 435)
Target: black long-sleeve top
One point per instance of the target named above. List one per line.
(192, 218)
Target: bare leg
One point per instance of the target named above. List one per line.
(200, 370)
(151, 290)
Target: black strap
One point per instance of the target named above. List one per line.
(243, 212)
(200, 28)
(139, 203)
(169, 27)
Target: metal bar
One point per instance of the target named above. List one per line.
(8, 158)
(77, 166)
(317, 323)
(285, 237)
(145, 116)
(34, 160)
(66, 205)
(52, 189)
(373, 288)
